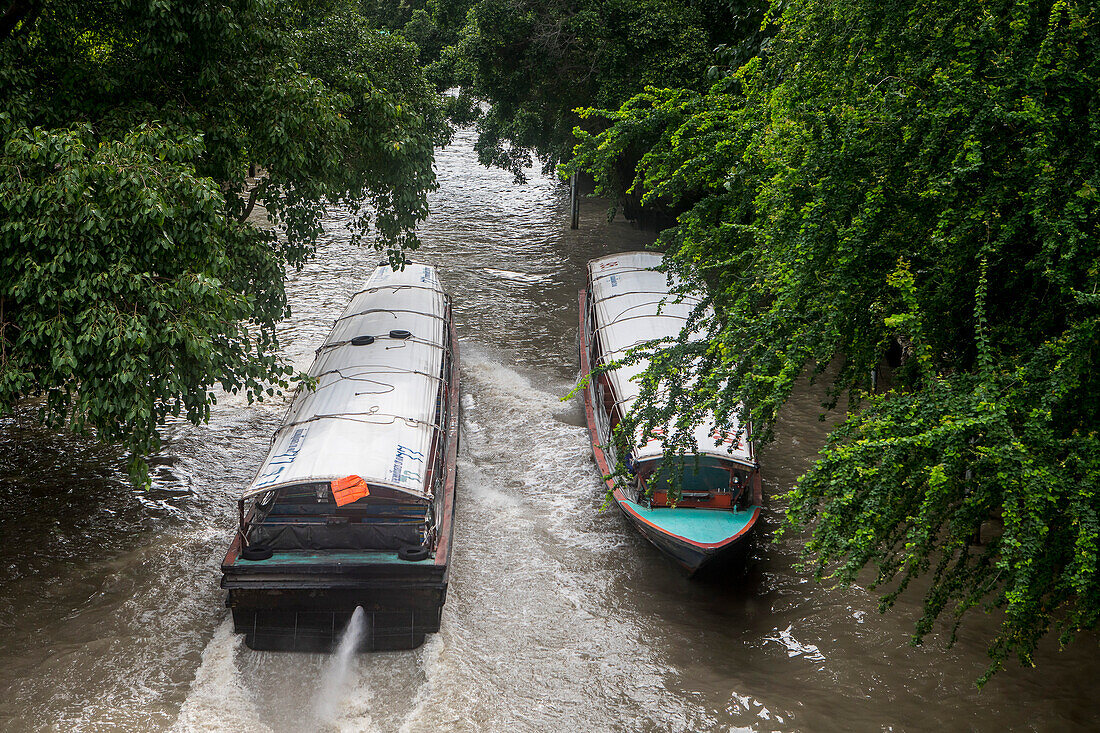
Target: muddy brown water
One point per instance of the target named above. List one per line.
(559, 617)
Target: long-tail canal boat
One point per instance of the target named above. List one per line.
(709, 524)
(354, 503)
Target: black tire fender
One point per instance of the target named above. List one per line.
(256, 552)
(413, 553)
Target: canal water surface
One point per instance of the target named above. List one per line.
(559, 618)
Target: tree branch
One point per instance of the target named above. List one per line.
(251, 203)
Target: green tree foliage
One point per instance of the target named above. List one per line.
(129, 283)
(920, 176)
(390, 14)
(533, 62)
(434, 27)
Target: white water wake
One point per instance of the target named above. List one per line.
(218, 700)
(334, 681)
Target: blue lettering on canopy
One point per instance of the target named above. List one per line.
(398, 461)
(279, 462)
(292, 448)
(413, 454)
(402, 475)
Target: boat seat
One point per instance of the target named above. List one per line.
(354, 509)
(332, 519)
(317, 534)
(306, 512)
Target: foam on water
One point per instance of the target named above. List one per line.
(528, 641)
(218, 700)
(558, 617)
(527, 439)
(528, 623)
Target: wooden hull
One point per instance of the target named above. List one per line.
(697, 539)
(278, 606)
(301, 601)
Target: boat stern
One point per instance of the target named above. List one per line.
(301, 601)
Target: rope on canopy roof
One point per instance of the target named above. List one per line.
(658, 314)
(445, 347)
(617, 321)
(676, 298)
(394, 311)
(355, 417)
(438, 289)
(615, 273)
(385, 370)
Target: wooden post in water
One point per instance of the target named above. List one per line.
(574, 203)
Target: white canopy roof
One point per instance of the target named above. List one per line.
(374, 408)
(633, 305)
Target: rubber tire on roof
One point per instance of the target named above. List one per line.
(413, 553)
(256, 552)
(400, 333)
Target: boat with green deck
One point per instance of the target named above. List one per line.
(626, 303)
(354, 503)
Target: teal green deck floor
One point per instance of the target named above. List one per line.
(706, 526)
